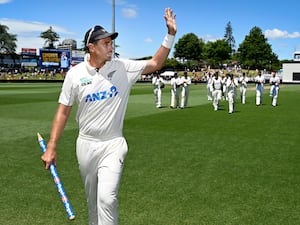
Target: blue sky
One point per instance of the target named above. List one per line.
(141, 25)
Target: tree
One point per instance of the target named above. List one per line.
(229, 37)
(254, 52)
(50, 37)
(174, 64)
(189, 47)
(217, 52)
(7, 40)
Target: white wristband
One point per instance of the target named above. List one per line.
(168, 41)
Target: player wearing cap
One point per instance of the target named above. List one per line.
(101, 85)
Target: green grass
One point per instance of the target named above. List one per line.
(184, 167)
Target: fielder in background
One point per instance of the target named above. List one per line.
(274, 89)
(224, 87)
(216, 89)
(158, 84)
(259, 81)
(101, 86)
(185, 89)
(231, 85)
(243, 80)
(175, 91)
(208, 86)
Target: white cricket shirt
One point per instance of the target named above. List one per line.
(101, 96)
(275, 80)
(217, 83)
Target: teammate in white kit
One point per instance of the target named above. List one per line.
(274, 89)
(185, 89)
(208, 86)
(216, 88)
(231, 85)
(259, 80)
(243, 80)
(175, 91)
(101, 85)
(158, 84)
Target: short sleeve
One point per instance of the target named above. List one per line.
(67, 95)
(134, 68)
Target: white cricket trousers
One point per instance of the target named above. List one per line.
(184, 96)
(243, 91)
(101, 165)
(157, 94)
(231, 98)
(259, 94)
(217, 95)
(173, 98)
(209, 92)
(274, 90)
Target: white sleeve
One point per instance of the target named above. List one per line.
(134, 68)
(172, 82)
(67, 94)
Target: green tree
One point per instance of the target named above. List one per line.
(229, 37)
(217, 52)
(50, 37)
(174, 64)
(7, 40)
(255, 52)
(189, 47)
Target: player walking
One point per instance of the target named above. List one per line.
(208, 86)
(175, 91)
(243, 80)
(158, 84)
(231, 85)
(101, 86)
(185, 89)
(274, 90)
(224, 87)
(216, 88)
(259, 80)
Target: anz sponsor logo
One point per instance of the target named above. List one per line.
(102, 95)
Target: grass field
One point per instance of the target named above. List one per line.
(184, 167)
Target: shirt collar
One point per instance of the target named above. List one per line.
(92, 70)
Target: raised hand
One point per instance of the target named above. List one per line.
(170, 21)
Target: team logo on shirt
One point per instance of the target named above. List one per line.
(85, 81)
(110, 75)
(102, 95)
